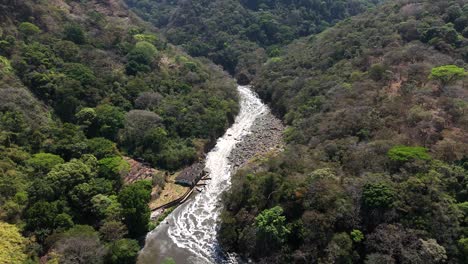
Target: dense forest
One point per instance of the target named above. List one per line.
(373, 95)
(83, 83)
(376, 164)
(241, 34)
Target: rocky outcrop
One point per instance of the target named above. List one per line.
(138, 171)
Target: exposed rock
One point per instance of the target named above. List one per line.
(138, 171)
(266, 136)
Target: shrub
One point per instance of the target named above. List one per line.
(407, 153)
(28, 29)
(75, 34)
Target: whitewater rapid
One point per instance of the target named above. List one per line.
(190, 235)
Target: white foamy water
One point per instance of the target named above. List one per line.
(195, 228)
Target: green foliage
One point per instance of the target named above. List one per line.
(64, 177)
(407, 153)
(134, 199)
(28, 29)
(44, 162)
(357, 236)
(146, 37)
(271, 225)
(86, 116)
(123, 251)
(5, 65)
(101, 147)
(109, 119)
(378, 195)
(141, 57)
(79, 72)
(176, 154)
(447, 74)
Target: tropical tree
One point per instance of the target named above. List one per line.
(271, 227)
(123, 251)
(134, 199)
(447, 74)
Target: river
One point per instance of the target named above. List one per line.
(189, 233)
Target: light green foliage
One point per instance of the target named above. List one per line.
(146, 37)
(357, 236)
(407, 153)
(44, 162)
(141, 57)
(134, 199)
(5, 65)
(28, 29)
(123, 251)
(145, 48)
(447, 74)
(12, 244)
(271, 223)
(113, 168)
(378, 195)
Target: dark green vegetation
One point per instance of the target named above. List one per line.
(81, 84)
(242, 34)
(376, 164)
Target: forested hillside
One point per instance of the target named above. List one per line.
(83, 83)
(242, 34)
(376, 164)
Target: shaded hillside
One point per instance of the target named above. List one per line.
(81, 83)
(375, 169)
(240, 34)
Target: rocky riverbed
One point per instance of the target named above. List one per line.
(266, 136)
